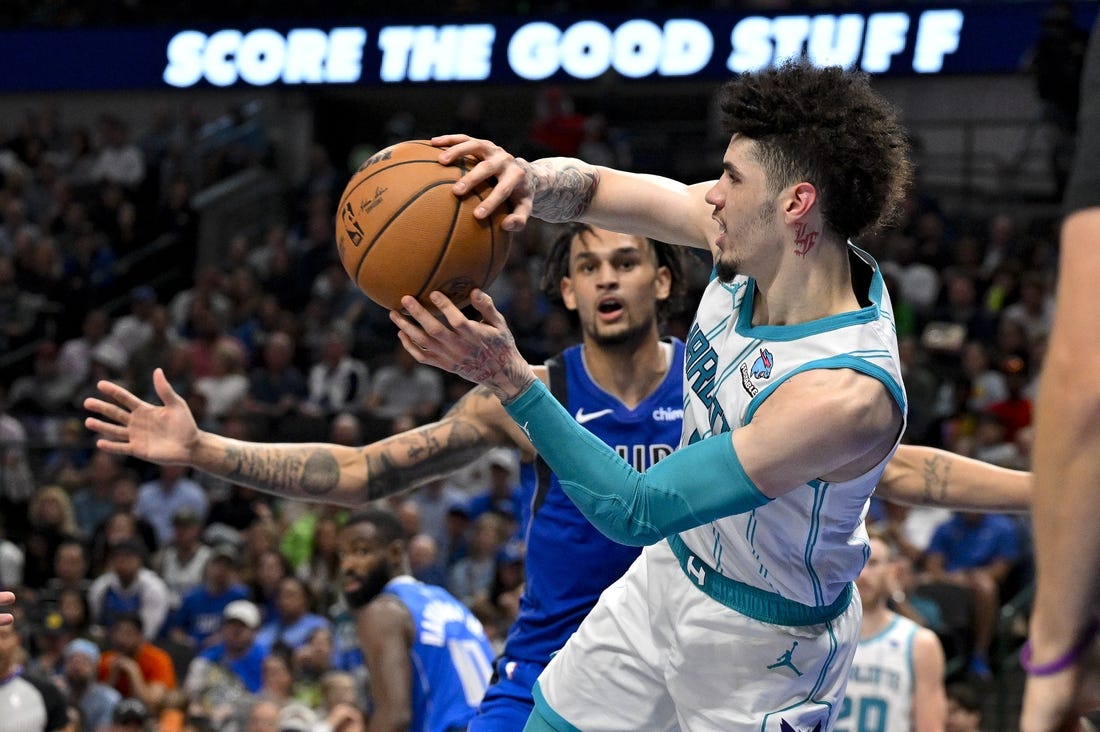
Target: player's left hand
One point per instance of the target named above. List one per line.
(484, 353)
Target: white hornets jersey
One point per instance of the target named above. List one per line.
(879, 695)
(806, 546)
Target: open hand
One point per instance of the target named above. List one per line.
(134, 427)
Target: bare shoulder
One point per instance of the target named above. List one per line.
(927, 646)
(862, 404)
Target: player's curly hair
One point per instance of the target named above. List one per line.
(828, 127)
(666, 255)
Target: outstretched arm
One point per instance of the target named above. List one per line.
(567, 189)
(927, 476)
(351, 476)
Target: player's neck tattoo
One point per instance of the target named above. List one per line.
(804, 240)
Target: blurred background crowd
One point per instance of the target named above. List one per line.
(162, 594)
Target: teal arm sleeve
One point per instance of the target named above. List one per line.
(692, 486)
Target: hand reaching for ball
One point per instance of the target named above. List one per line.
(482, 352)
(508, 174)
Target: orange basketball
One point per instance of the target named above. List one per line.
(400, 230)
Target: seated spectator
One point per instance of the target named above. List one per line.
(434, 499)
(68, 458)
(976, 551)
(224, 675)
(70, 566)
(337, 381)
(52, 523)
(277, 676)
(124, 495)
(182, 561)
(92, 500)
(198, 621)
(295, 622)
(159, 499)
(503, 495)
(277, 386)
(424, 560)
(130, 715)
(321, 571)
(80, 674)
(119, 526)
(133, 666)
(48, 636)
(471, 577)
(128, 587)
(264, 576)
(404, 387)
(226, 387)
(28, 701)
(312, 660)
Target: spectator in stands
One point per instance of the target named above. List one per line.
(16, 481)
(321, 571)
(70, 565)
(265, 575)
(312, 660)
(119, 160)
(226, 387)
(277, 675)
(130, 715)
(131, 332)
(471, 576)
(277, 386)
(976, 551)
(198, 621)
(434, 500)
(134, 666)
(128, 587)
(92, 502)
(51, 523)
(182, 562)
(424, 560)
(1015, 409)
(124, 495)
(96, 701)
(404, 387)
(27, 702)
(67, 459)
(227, 673)
(959, 304)
(337, 381)
(72, 603)
(159, 499)
(49, 634)
(43, 395)
(154, 351)
(503, 495)
(296, 621)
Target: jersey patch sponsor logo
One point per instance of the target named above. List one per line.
(761, 369)
(762, 366)
(583, 417)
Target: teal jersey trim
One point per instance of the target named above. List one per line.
(557, 722)
(753, 602)
(842, 361)
(881, 633)
(833, 646)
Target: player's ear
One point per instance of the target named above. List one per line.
(568, 297)
(798, 200)
(663, 283)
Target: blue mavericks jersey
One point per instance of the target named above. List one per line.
(569, 562)
(451, 657)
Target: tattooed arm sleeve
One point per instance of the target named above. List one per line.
(355, 475)
(926, 476)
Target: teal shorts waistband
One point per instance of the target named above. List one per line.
(753, 602)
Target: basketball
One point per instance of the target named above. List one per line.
(400, 230)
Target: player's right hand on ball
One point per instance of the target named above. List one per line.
(511, 186)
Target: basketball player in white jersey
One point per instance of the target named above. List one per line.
(740, 613)
(896, 683)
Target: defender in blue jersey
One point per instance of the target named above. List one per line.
(427, 655)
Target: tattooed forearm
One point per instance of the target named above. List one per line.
(417, 457)
(937, 473)
(275, 470)
(561, 188)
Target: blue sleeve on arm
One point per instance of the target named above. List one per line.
(692, 486)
